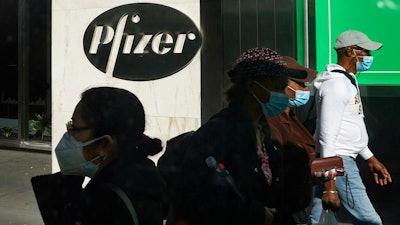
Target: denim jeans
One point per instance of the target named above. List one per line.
(353, 197)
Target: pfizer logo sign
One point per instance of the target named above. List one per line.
(141, 41)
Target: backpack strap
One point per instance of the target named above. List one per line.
(125, 199)
(352, 80)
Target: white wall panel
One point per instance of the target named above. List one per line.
(172, 104)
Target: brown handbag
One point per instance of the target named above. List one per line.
(326, 164)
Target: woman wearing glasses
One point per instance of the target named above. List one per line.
(104, 141)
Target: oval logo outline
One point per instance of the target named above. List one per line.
(132, 42)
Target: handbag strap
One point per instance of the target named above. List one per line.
(126, 200)
(352, 80)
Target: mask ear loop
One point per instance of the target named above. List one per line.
(295, 91)
(355, 55)
(254, 95)
(291, 88)
(357, 72)
(266, 89)
(103, 158)
(257, 99)
(92, 141)
(94, 159)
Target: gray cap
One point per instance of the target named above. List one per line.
(353, 37)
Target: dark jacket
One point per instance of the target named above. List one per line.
(298, 150)
(207, 197)
(62, 200)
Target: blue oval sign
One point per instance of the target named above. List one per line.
(141, 41)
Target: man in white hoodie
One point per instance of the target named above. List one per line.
(341, 130)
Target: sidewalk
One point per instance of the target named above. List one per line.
(17, 202)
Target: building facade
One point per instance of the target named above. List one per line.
(52, 50)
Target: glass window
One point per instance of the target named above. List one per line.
(25, 104)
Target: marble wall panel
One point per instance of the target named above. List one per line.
(172, 104)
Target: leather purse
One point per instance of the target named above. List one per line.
(326, 164)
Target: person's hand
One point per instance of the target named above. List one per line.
(322, 176)
(378, 170)
(330, 198)
(269, 215)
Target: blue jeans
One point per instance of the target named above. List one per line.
(353, 198)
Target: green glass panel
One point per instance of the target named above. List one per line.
(376, 18)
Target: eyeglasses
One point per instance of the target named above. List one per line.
(71, 128)
(362, 49)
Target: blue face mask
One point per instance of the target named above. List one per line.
(301, 98)
(70, 157)
(276, 105)
(365, 64)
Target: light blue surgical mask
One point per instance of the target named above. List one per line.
(301, 98)
(70, 157)
(365, 64)
(276, 105)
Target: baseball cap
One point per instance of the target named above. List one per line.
(293, 64)
(262, 62)
(353, 37)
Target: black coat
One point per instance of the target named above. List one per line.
(62, 201)
(207, 197)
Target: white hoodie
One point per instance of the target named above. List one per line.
(340, 119)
